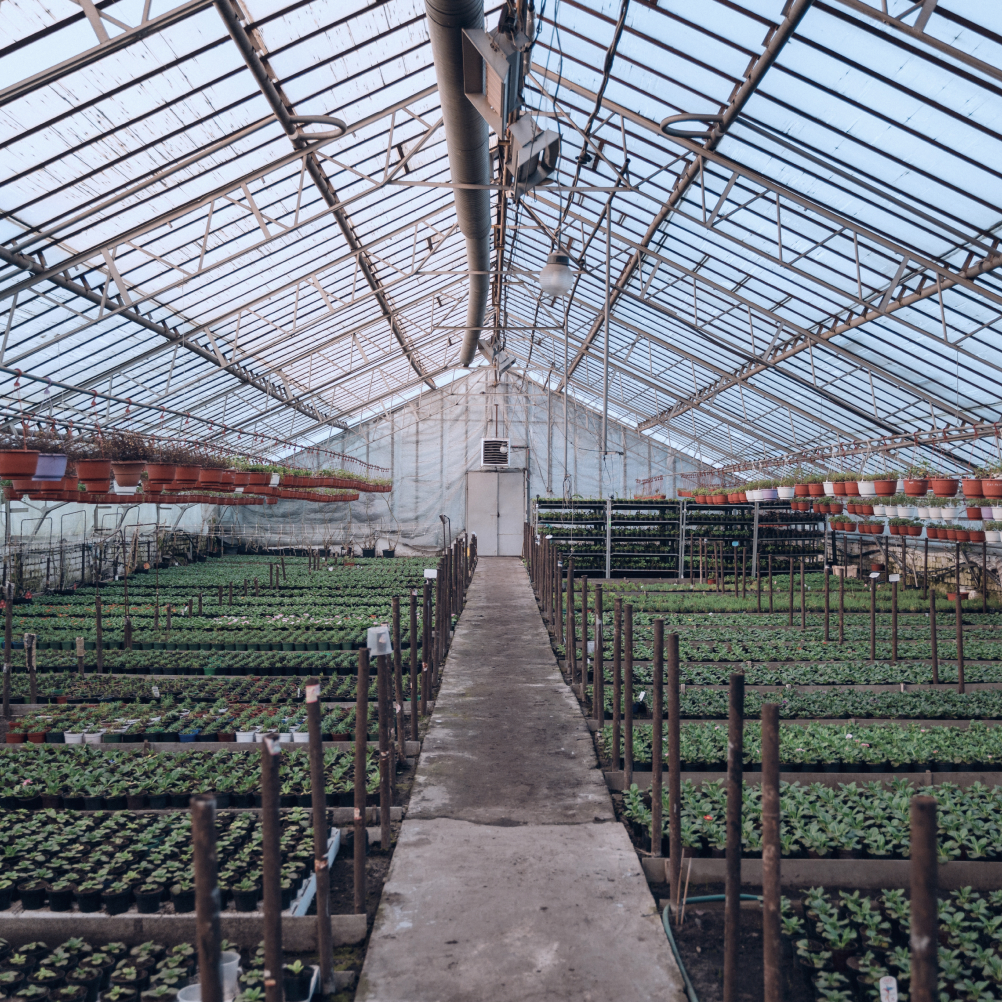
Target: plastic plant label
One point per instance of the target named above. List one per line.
(894, 578)
(431, 573)
(734, 543)
(888, 988)
(378, 640)
(155, 691)
(313, 692)
(238, 491)
(875, 574)
(273, 481)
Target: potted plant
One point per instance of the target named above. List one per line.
(943, 487)
(128, 457)
(117, 898)
(148, 897)
(16, 459)
(296, 979)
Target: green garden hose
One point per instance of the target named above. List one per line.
(667, 926)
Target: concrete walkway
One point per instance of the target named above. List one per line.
(511, 879)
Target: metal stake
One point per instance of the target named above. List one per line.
(319, 802)
(657, 690)
(675, 787)
(271, 866)
(413, 653)
(923, 934)
(383, 717)
(207, 933)
(772, 953)
(29, 660)
(733, 828)
(628, 696)
(361, 722)
(933, 636)
(395, 613)
(617, 689)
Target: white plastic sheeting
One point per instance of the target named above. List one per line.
(429, 444)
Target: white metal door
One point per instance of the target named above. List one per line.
(496, 510)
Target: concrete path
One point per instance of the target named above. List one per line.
(511, 879)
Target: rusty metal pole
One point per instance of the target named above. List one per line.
(744, 577)
(759, 594)
(802, 595)
(560, 602)
(383, 717)
(585, 636)
(271, 866)
(657, 691)
(628, 695)
(874, 591)
(842, 582)
(617, 688)
(99, 634)
(598, 678)
(200, 598)
(426, 644)
(895, 622)
(8, 645)
(959, 634)
(825, 597)
(675, 787)
(571, 647)
(207, 932)
(790, 592)
(733, 829)
(413, 654)
(933, 636)
(395, 613)
(319, 803)
(923, 934)
(29, 661)
(769, 574)
(229, 594)
(359, 834)
(926, 566)
(772, 951)
(985, 578)
(79, 643)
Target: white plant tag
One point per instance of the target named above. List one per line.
(312, 693)
(156, 691)
(889, 988)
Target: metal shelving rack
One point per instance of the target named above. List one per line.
(666, 533)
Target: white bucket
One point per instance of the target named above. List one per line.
(829, 488)
(73, 737)
(866, 489)
(785, 494)
(301, 736)
(93, 738)
(245, 736)
(231, 968)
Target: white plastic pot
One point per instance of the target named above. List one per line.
(231, 968)
(923, 512)
(245, 736)
(948, 514)
(900, 486)
(866, 489)
(50, 467)
(77, 738)
(879, 510)
(987, 512)
(93, 737)
(785, 494)
(907, 511)
(285, 736)
(829, 487)
(992, 536)
(301, 736)
(997, 511)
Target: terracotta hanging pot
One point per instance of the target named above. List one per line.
(128, 472)
(943, 487)
(96, 474)
(816, 490)
(18, 463)
(992, 487)
(915, 487)
(884, 488)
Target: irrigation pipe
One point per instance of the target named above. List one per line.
(691, 993)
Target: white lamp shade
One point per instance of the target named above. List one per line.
(556, 277)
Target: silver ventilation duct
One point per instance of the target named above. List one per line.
(467, 146)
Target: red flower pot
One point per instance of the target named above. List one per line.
(835, 508)
(186, 476)
(241, 479)
(719, 499)
(18, 463)
(885, 489)
(895, 530)
(259, 479)
(974, 511)
(976, 536)
(128, 472)
(914, 530)
(816, 490)
(851, 488)
(961, 535)
(839, 487)
(159, 473)
(971, 487)
(952, 534)
(916, 488)
(96, 474)
(992, 487)
(800, 490)
(944, 487)
(210, 476)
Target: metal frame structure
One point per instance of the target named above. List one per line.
(193, 245)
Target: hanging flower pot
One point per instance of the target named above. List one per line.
(992, 487)
(971, 487)
(801, 491)
(866, 489)
(974, 511)
(817, 490)
(159, 473)
(914, 487)
(785, 493)
(18, 462)
(96, 474)
(185, 476)
(915, 530)
(210, 476)
(893, 530)
(258, 478)
(961, 535)
(720, 499)
(884, 488)
(976, 536)
(943, 487)
(241, 478)
(50, 467)
(851, 488)
(838, 488)
(128, 472)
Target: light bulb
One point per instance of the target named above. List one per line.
(556, 276)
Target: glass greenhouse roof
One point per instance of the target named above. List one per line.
(825, 269)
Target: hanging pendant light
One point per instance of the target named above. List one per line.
(556, 276)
